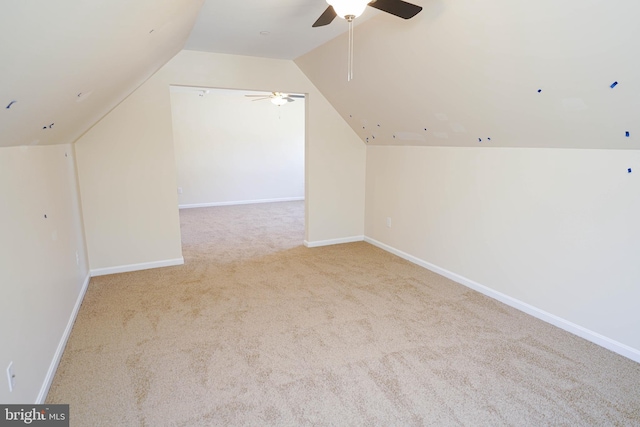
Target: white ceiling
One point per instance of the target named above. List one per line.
(67, 63)
(495, 73)
(234, 27)
(64, 64)
(523, 73)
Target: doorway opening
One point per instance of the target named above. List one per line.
(235, 147)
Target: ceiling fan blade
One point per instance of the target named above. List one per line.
(289, 99)
(260, 99)
(399, 8)
(296, 96)
(258, 96)
(326, 18)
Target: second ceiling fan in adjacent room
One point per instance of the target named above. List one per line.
(277, 98)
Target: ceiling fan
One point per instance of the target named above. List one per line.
(351, 9)
(277, 98)
(354, 8)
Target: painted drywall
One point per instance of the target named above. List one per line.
(467, 71)
(127, 171)
(66, 63)
(40, 279)
(555, 229)
(335, 157)
(230, 148)
(550, 228)
(239, 28)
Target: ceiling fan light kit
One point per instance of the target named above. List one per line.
(344, 8)
(351, 9)
(278, 100)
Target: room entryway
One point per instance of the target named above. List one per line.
(237, 147)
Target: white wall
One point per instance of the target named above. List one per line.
(335, 156)
(40, 280)
(230, 148)
(555, 229)
(127, 180)
(127, 171)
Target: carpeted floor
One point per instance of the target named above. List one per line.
(257, 330)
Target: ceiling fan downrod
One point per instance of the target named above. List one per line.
(350, 9)
(350, 19)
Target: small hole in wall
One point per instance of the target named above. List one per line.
(45, 216)
(539, 90)
(81, 96)
(614, 84)
(629, 170)
(627, 134)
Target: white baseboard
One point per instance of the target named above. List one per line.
(135, 267)
(44, 390)
(594, 337)
(240, 202)
(333, 241)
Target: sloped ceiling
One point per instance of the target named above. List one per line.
(64, 64)
(505, 73)
(279, 29)
(494, 73)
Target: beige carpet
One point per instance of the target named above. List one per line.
(256, 330)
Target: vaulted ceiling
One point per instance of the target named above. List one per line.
(266, 28)
(497, 73)
(64, 64)
(492, 73)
